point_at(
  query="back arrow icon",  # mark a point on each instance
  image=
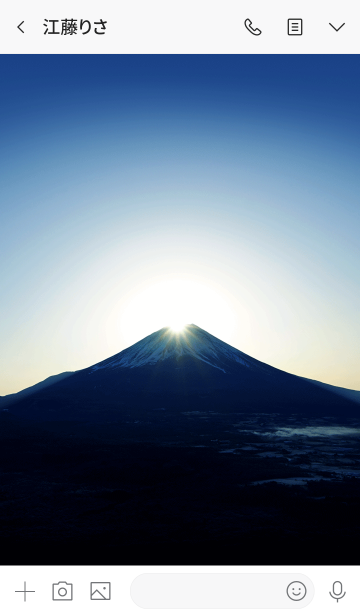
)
(337, 29)
(20, 27)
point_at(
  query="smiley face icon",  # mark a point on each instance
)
(296, 591)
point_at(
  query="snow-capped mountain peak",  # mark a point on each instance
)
(167, 344)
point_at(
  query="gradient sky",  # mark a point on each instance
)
(139, 191)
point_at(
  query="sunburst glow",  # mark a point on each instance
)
(177, 326)
(174, 303)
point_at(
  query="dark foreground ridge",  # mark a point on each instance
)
(86, 494)
(180, 451)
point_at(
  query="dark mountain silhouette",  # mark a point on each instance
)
(349, 394)
(180, 450)
(11, 398)
(167, 371)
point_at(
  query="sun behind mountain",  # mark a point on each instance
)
(177, 326)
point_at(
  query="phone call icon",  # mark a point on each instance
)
(248, 26)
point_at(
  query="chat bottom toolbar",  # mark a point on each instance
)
(131, 589)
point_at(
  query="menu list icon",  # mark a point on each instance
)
(295, 27)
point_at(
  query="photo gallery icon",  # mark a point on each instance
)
(100, 591)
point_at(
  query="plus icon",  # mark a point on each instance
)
(25, 591)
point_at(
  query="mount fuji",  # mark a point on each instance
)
(192, 342)
(182, 450)
(170, 371)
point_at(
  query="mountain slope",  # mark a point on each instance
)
(191, 342)
(166, 374)
(50, 380)
(349, 394)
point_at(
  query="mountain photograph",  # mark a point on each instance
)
(178, 446)
(179, 314)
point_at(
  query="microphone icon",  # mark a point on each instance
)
(337, 591)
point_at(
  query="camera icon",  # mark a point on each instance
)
(62, 591)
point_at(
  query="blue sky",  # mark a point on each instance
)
(140, 190)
